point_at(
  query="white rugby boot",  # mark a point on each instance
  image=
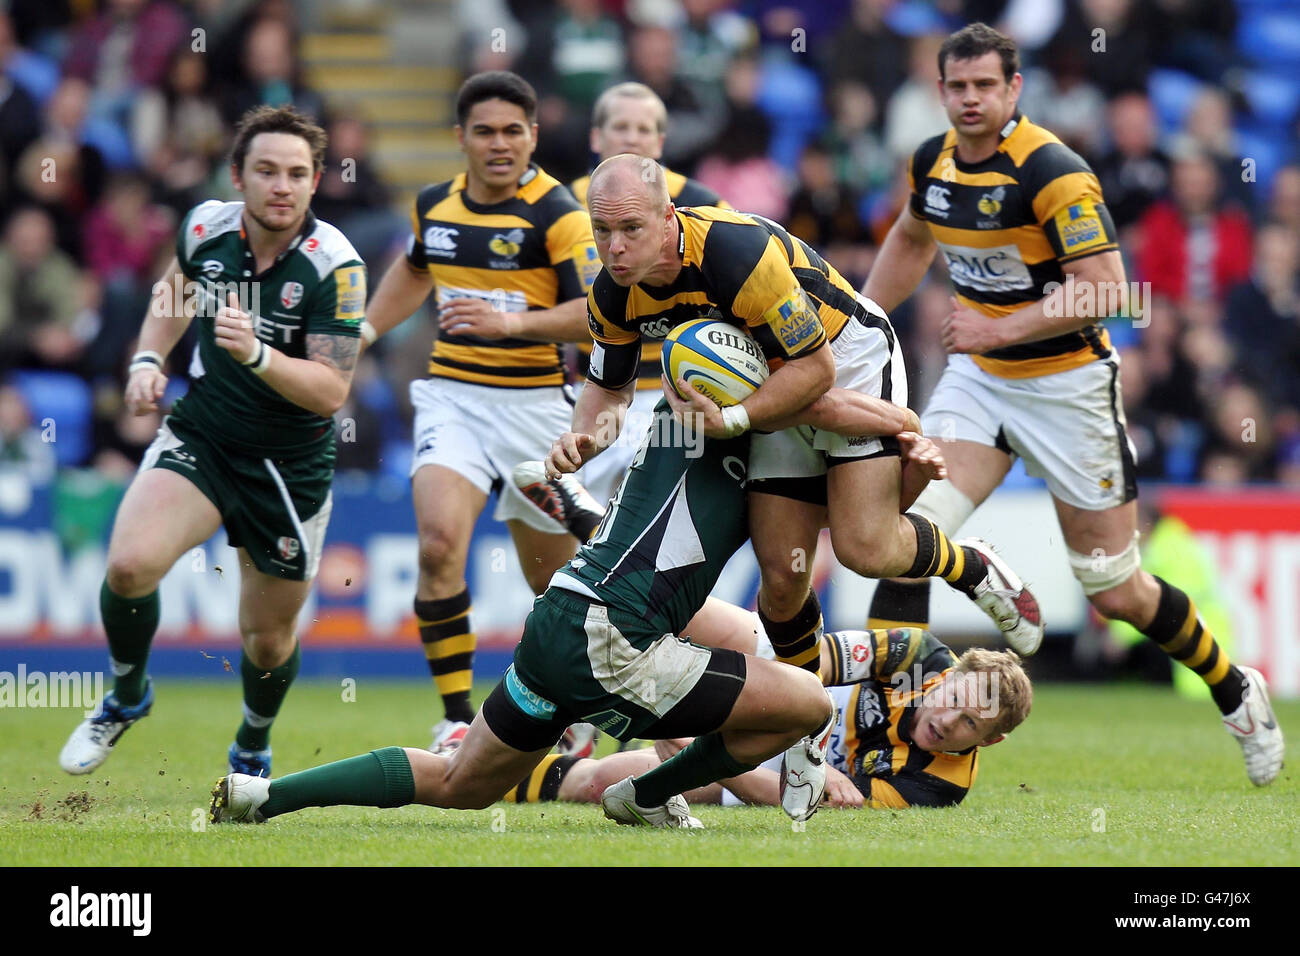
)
(619, 804)
(1004, 598)
(1255, 727)
(237, 798)
(803, 771)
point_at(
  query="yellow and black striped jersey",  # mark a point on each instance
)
(875, 748)
(532, 251)
(1006, 225)
(683, 192)
(737, 268)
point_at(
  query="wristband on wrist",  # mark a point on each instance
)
(260, 360)
(145, 359)
(368, 333)
(735, 420)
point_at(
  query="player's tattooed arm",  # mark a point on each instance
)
(337, 351)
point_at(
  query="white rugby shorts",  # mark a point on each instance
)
(867, 360)
(481, 433)
(1069, 427)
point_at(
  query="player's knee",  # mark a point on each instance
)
(1113, 583)
(269, 647)
(131, 575)
(1124, 602)
(785, 588)
(812, 704)
(439, 552)
(870, 555)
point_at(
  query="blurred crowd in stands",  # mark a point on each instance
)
(113, 123)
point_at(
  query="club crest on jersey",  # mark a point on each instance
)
(288, 548)
(507, 244)
(990, 205)
(290, 294)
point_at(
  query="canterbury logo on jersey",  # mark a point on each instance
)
(936, 201)
(994, 269)
(440, 240)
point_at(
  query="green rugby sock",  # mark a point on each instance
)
(381, 778)
(129, 624)
(264, 692)
(703, 762)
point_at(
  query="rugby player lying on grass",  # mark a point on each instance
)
(895, 744)
(600, 645)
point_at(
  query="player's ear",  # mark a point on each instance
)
(235, 178)
(593, 140)
(996, 738)
(460, 135)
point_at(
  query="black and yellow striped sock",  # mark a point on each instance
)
(900, 604)
(543, 784)
(798, 640)
(449, 647)
(1179, 631)
(936, 556)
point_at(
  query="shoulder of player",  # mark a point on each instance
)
(578, 188)
(689, 192)
(210, 220)
(1040, 157)
(925, 155)
(431, 195)
(550, 199)
(327, 249)
(607, 299)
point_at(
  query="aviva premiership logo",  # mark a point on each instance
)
(290, 294)
(288, 548)
(507, 244)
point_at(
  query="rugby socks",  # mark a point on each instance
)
(129, 624)
(704, 761)
(936, 556)
(900, 604)
(798, 640)
(543, 784)
(449, 647)
(264, 692)
(381, 778)
(1178, 629)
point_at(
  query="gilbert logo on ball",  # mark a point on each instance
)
(720, 361)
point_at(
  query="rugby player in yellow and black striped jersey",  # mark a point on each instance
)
(911, 717)
(509, 253)
(1021, 222)
(631, 118)
(664, 266)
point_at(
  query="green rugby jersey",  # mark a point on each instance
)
(677, 518)
(316, 286)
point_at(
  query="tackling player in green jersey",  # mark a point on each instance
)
(279, 297)
(602, 645)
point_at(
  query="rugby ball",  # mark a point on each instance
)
(720, 361)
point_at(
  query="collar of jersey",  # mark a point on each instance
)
(308, 227)
(462, 182)
(1016, 122)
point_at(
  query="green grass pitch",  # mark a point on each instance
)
(1119, 775)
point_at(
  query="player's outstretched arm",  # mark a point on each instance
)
(164, 324)
(852, 413)
(901, 263)
(401, 291)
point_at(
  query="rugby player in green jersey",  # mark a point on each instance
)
(601, 646)
(279, 297)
